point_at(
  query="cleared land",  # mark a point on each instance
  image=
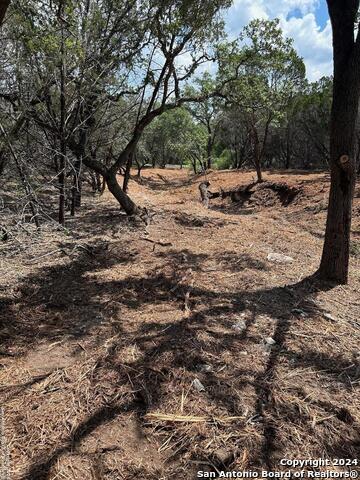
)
(105, 327)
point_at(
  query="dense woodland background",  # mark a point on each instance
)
(90, 88)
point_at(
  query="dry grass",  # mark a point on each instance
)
(103, 338)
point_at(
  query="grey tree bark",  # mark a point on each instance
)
(334, 264)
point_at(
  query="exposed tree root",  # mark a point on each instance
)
(265, 193)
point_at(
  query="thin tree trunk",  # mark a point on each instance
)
(24, 181)
(127, 173)
(257, 155)
(76, 188)
(209, 146)
(14, 131)
(62, 133)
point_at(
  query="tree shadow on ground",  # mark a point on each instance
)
(305, 173)
(69, 297)
(158, 182)
(195, 221)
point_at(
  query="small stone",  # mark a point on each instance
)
(330, 317)
(244, 352)
(270, 341)
(255, 419)
(239, 326)
(198, 385)
(279, 258)
(205, 368)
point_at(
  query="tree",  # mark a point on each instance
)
(346, 91)
(175, 28)
(167, 139)
(206, 112)
(267, 81)
(312, 114)
(99, 52)
(234, 136)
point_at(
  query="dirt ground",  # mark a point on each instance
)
(105, 327)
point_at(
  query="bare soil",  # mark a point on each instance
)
(106, 325)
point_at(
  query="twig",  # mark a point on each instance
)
(45, 255)
(157, 242)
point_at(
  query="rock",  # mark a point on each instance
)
(329, 317)
(255, 419)
(279, 258)
(205, 368)
(269, 343)
(244, 352)
(223, 456)
(239, 326)
(198, 385)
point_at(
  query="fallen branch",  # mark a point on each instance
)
(45, 255)
(164, 417)
(156, 242)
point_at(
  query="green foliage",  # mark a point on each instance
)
(271, 74)
(224, 162)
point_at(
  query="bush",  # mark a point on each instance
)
(223, 162)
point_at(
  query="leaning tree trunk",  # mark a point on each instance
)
(125, 201)
(346, 90)
(110, 178)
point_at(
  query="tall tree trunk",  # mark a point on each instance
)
(76, 188)
(62, 132)
(26, 184)
(335, 258)
(257, 155)
(209, 146)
